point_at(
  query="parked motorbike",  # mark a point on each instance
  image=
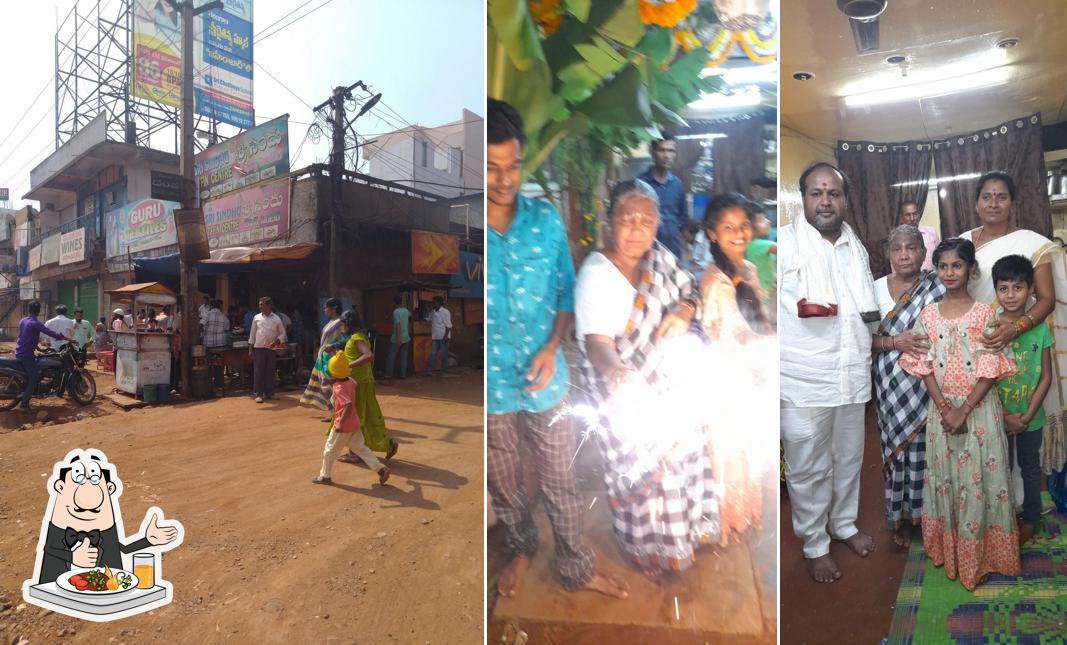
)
(61, 371)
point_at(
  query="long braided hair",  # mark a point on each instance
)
(748, 301)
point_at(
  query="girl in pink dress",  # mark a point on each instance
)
(968, 519)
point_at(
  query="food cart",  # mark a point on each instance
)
(142, 358)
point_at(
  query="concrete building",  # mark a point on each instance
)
(447, 160)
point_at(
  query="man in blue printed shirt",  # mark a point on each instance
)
(530, 309)
(673, 209)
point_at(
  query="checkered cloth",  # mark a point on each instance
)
(552, 441)
(902, 406)
(662, 509)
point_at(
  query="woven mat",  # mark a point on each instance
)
(1030, 609)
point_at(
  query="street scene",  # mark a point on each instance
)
(247, 291)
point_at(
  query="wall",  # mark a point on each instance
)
(795, 153)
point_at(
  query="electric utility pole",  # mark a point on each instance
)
(339, 125)
(190, 321)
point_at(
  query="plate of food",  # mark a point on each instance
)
(97, 581)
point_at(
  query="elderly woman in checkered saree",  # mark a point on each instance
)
(629, 300)
(902, 398)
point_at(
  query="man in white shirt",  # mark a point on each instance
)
(825, 374)
(909, 214)
(82, 331)
(204, 308)
(61, 325)
(267, 333)
(216, 326)
(440, 333)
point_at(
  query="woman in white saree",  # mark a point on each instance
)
(997, 238)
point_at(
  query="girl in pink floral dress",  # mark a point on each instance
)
(968, 519)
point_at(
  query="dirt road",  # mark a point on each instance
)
(269, 557)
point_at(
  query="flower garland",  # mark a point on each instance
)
(665, 13)
(547, 14)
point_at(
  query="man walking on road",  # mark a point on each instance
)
(268, 332)
(61, 325)
(400, 339)
(82, 331)
(440, 333)
(827, 299)
(529, 310)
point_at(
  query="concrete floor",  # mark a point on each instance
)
(728, 596)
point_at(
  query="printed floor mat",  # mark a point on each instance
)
(1028, 610)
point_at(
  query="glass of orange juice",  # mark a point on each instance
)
(144, 567)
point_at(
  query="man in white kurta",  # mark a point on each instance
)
(825, 372)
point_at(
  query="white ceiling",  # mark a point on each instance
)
(816, 38)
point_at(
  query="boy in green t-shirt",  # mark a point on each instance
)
(1023, 394)
(763, 253)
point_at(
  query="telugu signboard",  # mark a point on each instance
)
(252, 156)
(147, 224)
(434, 252)
(249, 216)
(222, 59)
(167, 186)
(34, 261)
(72, 247)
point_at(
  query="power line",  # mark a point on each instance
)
(267, 28)
(30, 107)
(295, 20)
(31, 131)
(284, 86)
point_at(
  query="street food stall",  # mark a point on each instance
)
(142, 358)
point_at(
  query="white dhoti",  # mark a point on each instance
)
(823, 457)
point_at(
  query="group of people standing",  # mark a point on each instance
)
(630, 303)
(961, 339)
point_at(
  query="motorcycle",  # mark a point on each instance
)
(60, 371)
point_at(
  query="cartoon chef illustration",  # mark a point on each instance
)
(82, 527)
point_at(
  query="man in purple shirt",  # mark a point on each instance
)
(30, 330)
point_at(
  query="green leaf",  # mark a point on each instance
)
(529, 91)
(578, 8)
(617, 20)
(657, 44)
(516, 31)
(666, 117)
(623, 101)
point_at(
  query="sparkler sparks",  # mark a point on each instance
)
(677, 613)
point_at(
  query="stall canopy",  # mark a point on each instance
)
(146, 292)
(227, 260)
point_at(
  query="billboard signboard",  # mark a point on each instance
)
(72, 247)
(222, 59)
(252, 215)
(147, 224)
(252, 156)
(434, 252)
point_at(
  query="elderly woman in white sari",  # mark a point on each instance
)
(629, 299)
(995, 239)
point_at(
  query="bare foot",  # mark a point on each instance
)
(654, 574)
(607, 585)
(860, 543)
(902, 536)
(823, 569)
(512, 575)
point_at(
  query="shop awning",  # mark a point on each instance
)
(147, 292)
(226, 260)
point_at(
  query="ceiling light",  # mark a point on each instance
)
(1008, 43)
(745, 75)
(937, 87)
(922, 72)
(707, 137)
(803, 76)
(740, 98)
(934, 181)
